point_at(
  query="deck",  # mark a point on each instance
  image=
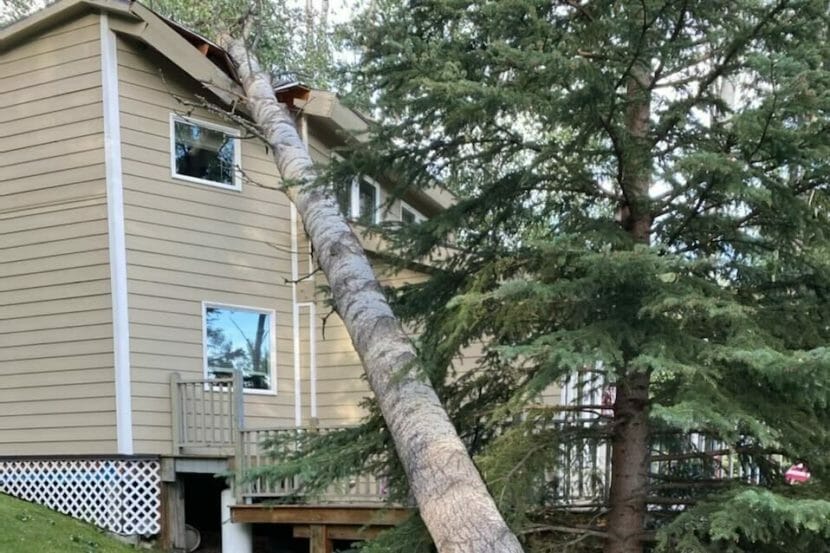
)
(209, 419)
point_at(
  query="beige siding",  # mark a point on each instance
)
(190, 243)
(56, 362)
(340, 386)
(340, 383)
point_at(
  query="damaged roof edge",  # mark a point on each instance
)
(210, 66)
(214, 52)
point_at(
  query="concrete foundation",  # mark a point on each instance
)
(236, 538)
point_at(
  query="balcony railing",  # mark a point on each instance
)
(209, 419)
(581, 474)
(208, 413)
(359, 489)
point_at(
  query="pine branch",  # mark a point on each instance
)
(732, 51)
(678, 27)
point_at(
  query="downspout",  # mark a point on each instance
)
(295, 320)
(312, 310)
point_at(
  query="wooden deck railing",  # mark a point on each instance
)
(582, 473)
(207, 414)
(360, 489)
(208, 419)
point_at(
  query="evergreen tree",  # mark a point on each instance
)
(643, 192)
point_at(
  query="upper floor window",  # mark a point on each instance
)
(203, 152)
(361, 201)
(410, 215)
(241, 339)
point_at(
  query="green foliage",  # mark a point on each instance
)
(514, 464)
(751, 520)
(527, 109)
(293, 43)
(531, 112)
(408, 537)
(30, 528)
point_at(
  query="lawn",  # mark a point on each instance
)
(29, 528)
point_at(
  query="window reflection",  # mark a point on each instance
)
(367, 202)
(239, 339)
(204, 153)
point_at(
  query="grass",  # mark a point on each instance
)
(29, 528)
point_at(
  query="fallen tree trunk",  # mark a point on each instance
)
(452, 499)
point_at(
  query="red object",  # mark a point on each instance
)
(797, 474)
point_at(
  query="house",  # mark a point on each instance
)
(141, 272)
(157, 305)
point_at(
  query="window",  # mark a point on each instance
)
(241, 339)
(410, 215)
(204, 152)
(368, 201)
(361, 202)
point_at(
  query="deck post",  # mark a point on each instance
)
(237, 434)
(319, 541)
(236, 537)
(238, 402)
(175, 412)
(173, 537)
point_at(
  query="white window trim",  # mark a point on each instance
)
(272, 330)
(354, 203)
(237, 152)
(419, 217)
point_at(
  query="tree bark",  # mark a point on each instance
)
(256, 354)
(630, 441)
(629, 465)
(453, 500)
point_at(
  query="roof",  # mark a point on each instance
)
(204, 61)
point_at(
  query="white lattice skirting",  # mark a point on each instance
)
(120, 495)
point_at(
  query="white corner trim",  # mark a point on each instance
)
(117, 240)
(312, 322)
(295, 305)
